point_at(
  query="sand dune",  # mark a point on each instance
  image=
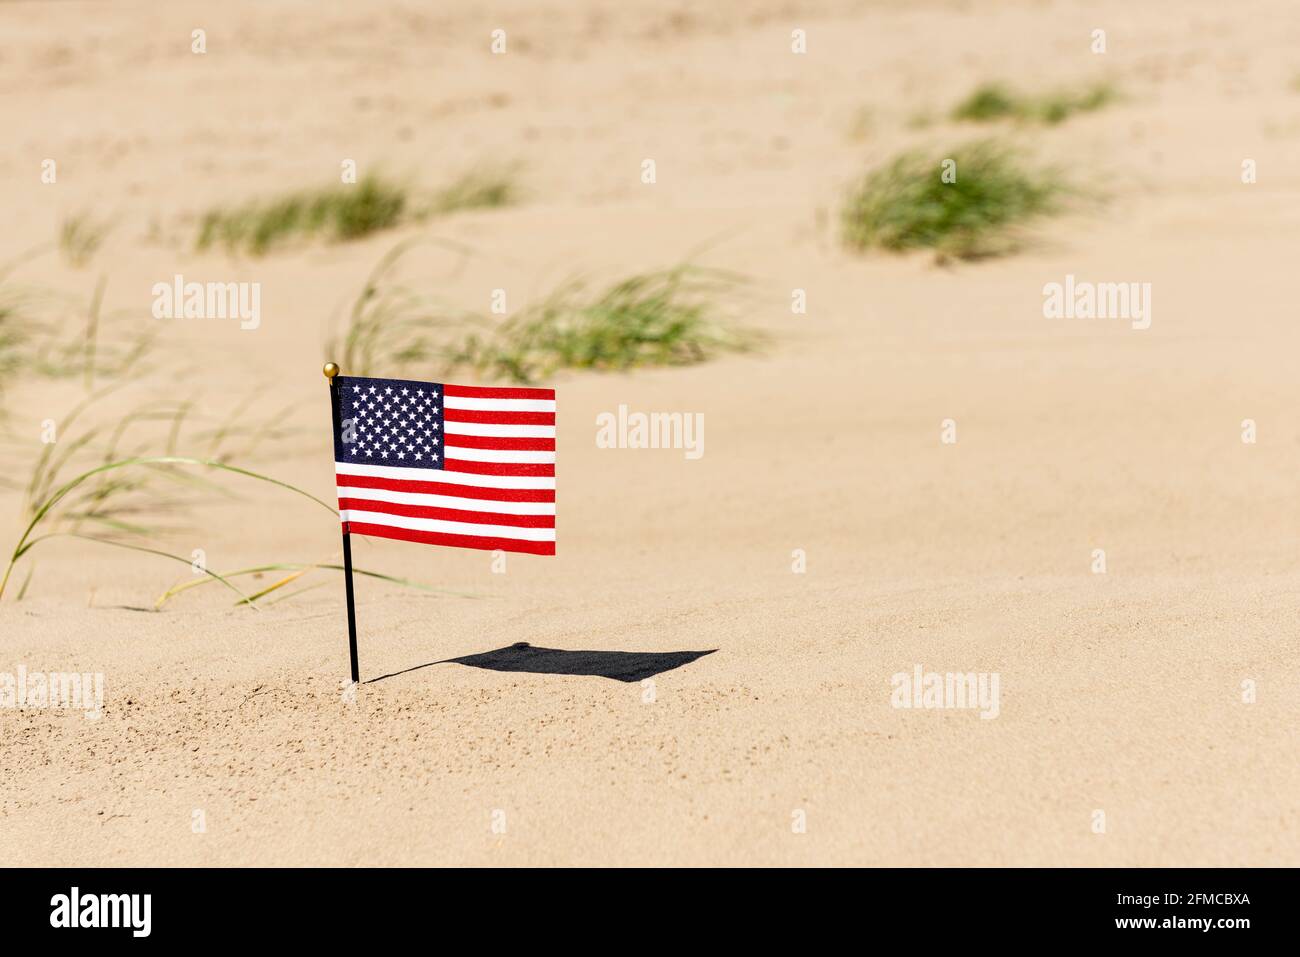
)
(768, 735)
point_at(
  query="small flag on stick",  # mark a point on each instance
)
(442, 464)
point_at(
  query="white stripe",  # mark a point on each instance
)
(438, 475)
(518, 456)
(499, 405)
(448, 501)
(450, 528)
(503, 431)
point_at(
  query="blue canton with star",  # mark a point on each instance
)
(394, 422)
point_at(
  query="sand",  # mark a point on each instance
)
(228, 736)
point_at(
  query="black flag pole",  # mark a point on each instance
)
(336, 408)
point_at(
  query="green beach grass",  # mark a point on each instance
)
(995, 101)
(667, 317)
(340, 213)
(906, 204)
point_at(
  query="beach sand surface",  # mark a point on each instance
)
(228, 735)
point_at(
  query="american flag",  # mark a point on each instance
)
(447, 464)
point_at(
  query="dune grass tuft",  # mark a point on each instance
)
(666, 317)
(991, 101)
(479, 189)
(11, 337)
(391, 325)
(18, 327)
(995, 101)
(338, 213)
(80, 237)
(54, 335)
(124, 489)
(907, 205)
(44, 508)
(344, 212)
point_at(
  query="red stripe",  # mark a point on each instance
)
(447, 488)
(447, 514)
(456, 541)
(483, 392)
(499, 468)
(504, 443)
(498, 418)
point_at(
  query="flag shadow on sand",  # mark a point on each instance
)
(618, 665)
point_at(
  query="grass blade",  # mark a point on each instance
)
(24, 544)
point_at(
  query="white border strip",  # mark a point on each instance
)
(449, 528)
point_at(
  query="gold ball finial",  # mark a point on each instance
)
(331, 370)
